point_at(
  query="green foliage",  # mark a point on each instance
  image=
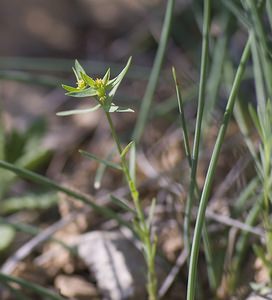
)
(28, 202)
(103, 161)
(103, 90)
(21, 151)
(7, 234)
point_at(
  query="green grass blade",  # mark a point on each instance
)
(31, 286)
(213, 281)
(242, 243)
(261, 38)
(106, 212)
(15, 291)
(122, 204)
(2, 136)
(269, 12)
(247, 192)
(240, 111)
(217, 64)
(100, 160)
(154, 76)
(127, 149)
(206, 240)
(200, 110)
(182, 119)
(258, 74)
(211, 173)
(234, 8)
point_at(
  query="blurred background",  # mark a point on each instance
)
(40, 41)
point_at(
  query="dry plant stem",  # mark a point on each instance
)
(210, 175)
(169, 280)
(145, 238)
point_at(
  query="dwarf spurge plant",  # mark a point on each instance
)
(103, 91)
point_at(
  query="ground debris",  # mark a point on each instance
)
(76, 287)
(117, 264)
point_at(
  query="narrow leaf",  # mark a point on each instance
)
(69, 88)
(79, 69)
(77, 75)
(53, 185)
(122, 204)
(123, 109)
(89, 92)
(106, 77)
(44, 292)
(255, 119)
(78, 111)
(88, 79)
(126, 149)
(182, 119)
(115, 108)
(100, 160)
(117, 80)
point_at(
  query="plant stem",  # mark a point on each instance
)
(132, 187)
(201, 98)
(210, 174)
(154, 76)
(142, 229)
(207, 246)
(194, 159)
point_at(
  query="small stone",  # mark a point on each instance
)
(76, 287)
(116, 263)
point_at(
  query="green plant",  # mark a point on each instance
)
(103, 90)
(23, 149)
(219, 81)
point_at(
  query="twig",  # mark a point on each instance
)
(173, 274)
(10, 265)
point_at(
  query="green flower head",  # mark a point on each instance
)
(102, 89)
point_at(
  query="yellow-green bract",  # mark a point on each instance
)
(102, 89)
